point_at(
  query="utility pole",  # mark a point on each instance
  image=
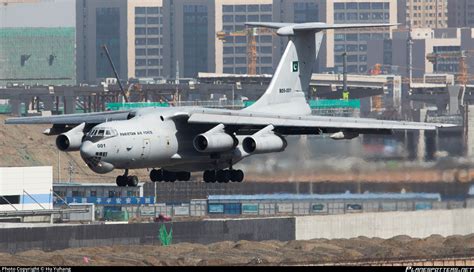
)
(410, 61)
(176, 81)
(410, 57)
(345, 91)
(59, 165)
(71, 170)
(233, 97)
(410, 46)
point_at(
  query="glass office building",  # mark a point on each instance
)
(37, 56)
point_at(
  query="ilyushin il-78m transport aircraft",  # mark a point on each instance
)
(176, 141)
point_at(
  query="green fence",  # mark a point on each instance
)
(111, 215)
(334, 103)
(134, 105)
(314, 104)
(7, 108)
(326, 103)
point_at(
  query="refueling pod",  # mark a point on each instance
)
(264, 141)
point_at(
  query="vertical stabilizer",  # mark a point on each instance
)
(286, 93)
(290, 83)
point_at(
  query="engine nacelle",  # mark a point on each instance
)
(71, 140)
(215, 140)
(264, 144)
(264, 141)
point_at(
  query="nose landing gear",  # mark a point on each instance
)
(131, 181)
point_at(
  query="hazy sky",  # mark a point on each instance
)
(46, 13)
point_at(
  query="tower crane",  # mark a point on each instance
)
(251, 34)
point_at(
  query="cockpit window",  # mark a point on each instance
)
(97, 134)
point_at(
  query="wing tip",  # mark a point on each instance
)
(444, 125)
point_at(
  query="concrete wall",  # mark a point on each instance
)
(385, 225)
(209, 231)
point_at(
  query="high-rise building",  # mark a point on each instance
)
(188, 37)
(354, 41)
(132, 32)
(43, 56)
(299, 11)
(423, 14)
(460, 13)
(444, 46)
(232, 53)
(148, 42)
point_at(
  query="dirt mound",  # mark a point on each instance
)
(252, 253)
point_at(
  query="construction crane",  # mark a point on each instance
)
(251, 34)
(377, 101)
(124, 94)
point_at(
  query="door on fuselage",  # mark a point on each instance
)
(146, 149)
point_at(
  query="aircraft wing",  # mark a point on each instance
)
(307, 124)
(72, 119)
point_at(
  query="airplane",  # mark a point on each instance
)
(173, 142)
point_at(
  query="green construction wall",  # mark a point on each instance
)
(39, 44)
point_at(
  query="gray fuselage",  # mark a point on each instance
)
(151, 140)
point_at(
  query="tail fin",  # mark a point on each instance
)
(290, 83)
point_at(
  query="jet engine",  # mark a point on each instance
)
(264, 141)
(71, 140)
(215, 140)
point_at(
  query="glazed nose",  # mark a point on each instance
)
(87, 149)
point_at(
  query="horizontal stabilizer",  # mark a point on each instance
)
(288, 29)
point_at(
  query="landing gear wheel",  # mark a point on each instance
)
(209, 176)
(132, 181)
(156, 175)
(223, 176)
(169, 176)
(237, 175)
(121, 181)
(183, 176)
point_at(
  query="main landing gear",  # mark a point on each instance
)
(167, 176)
(125, 180)
(223, 176)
